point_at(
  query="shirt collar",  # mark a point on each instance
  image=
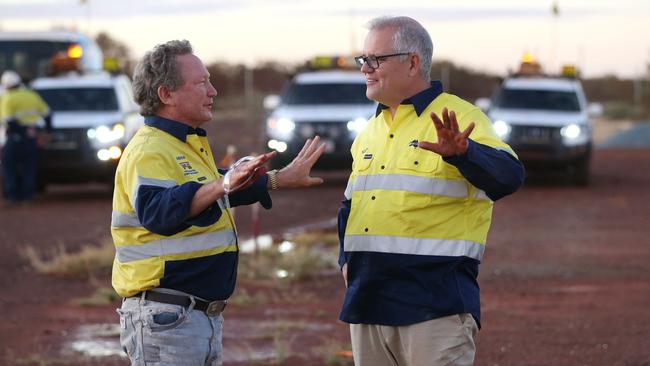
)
(177, 129)
(421, 100)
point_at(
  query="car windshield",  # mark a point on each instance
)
(538, 99)
(326, 94)
(80, 99)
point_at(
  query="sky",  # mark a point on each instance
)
(601, 37)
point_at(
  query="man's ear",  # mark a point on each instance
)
(414, 67)
(165, 95)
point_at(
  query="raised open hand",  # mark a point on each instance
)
(296, 174)
(450, 140)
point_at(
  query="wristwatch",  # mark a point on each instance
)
(273, 179)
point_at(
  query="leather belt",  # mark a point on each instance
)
(212, 308)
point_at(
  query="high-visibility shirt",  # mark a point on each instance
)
(23, 106)
(161, 169)
(416, 226)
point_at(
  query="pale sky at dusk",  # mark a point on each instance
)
(601, 37)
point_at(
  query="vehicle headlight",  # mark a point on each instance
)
(502, 128)
(571, 131)
(575, 134)
(282, 125)
(357, 125)
(107, 134)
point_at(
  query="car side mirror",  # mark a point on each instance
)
(271, 101)
(483, 103)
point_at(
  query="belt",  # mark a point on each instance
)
(211, 308)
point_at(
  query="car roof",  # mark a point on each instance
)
(62, 36)
(542, 83)
(76, 81)
(319, 77)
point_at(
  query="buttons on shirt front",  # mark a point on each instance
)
(415, 162)
(366, 229)
(382, 167)
(391, 135)
(372, 198)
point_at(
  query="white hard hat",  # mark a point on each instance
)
(10, 79)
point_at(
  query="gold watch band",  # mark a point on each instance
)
(273, 179)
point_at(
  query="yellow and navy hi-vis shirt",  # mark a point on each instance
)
(413, 225)
(161, 169)
(21, 108)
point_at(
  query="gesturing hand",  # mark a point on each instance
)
(296, 174)
(450, 140)
(245, 171)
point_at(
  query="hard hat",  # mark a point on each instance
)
(10, 79)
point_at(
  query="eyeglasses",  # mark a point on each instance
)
(373, 61)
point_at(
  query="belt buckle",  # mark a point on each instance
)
(216, 307)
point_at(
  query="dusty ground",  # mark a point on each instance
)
(565, 279)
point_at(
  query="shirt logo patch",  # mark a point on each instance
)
(414, 143)
(367, 156)
(201, 179)
(180, 157)
(187, 168)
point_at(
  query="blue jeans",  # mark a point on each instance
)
(19, 159)
(153, 333)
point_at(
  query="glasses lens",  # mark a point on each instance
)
(372, 61)
(359, 60)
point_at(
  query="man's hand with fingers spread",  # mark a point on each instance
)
(296, 174)
(450, 140)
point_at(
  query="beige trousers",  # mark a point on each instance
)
(443, 341)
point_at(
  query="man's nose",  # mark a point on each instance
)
(366, 69)
(212, 92)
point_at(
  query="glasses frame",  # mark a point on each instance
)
(368, 60)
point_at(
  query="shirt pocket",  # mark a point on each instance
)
(419, 161)
(362, 162)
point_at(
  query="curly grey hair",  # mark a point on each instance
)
(410, 36)
(158, 68)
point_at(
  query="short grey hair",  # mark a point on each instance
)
(158, 68)
(410, 36)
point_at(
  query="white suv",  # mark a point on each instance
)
(331, 104)
(546, 121)
(93, 118)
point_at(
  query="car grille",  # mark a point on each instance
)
(535, 135)
(326, 130)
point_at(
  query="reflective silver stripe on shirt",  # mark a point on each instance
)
(142, 181)
(171, 246)
(348, 189)
(119, 219)
(417, 246)
(481, 195)
(409, 183)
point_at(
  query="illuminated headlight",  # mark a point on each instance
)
(571, 131)
(574, 134)
(106, 134)
(502, 128)
(279, 146)
(357, 125)
(282, 125)
(113, 152)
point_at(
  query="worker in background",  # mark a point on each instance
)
(23, 113)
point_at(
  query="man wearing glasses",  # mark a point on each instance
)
(426, 171)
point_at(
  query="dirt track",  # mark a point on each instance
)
(565, 279)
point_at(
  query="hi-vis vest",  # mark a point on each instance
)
(408, 200)
(156, 158)
(23, 105)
